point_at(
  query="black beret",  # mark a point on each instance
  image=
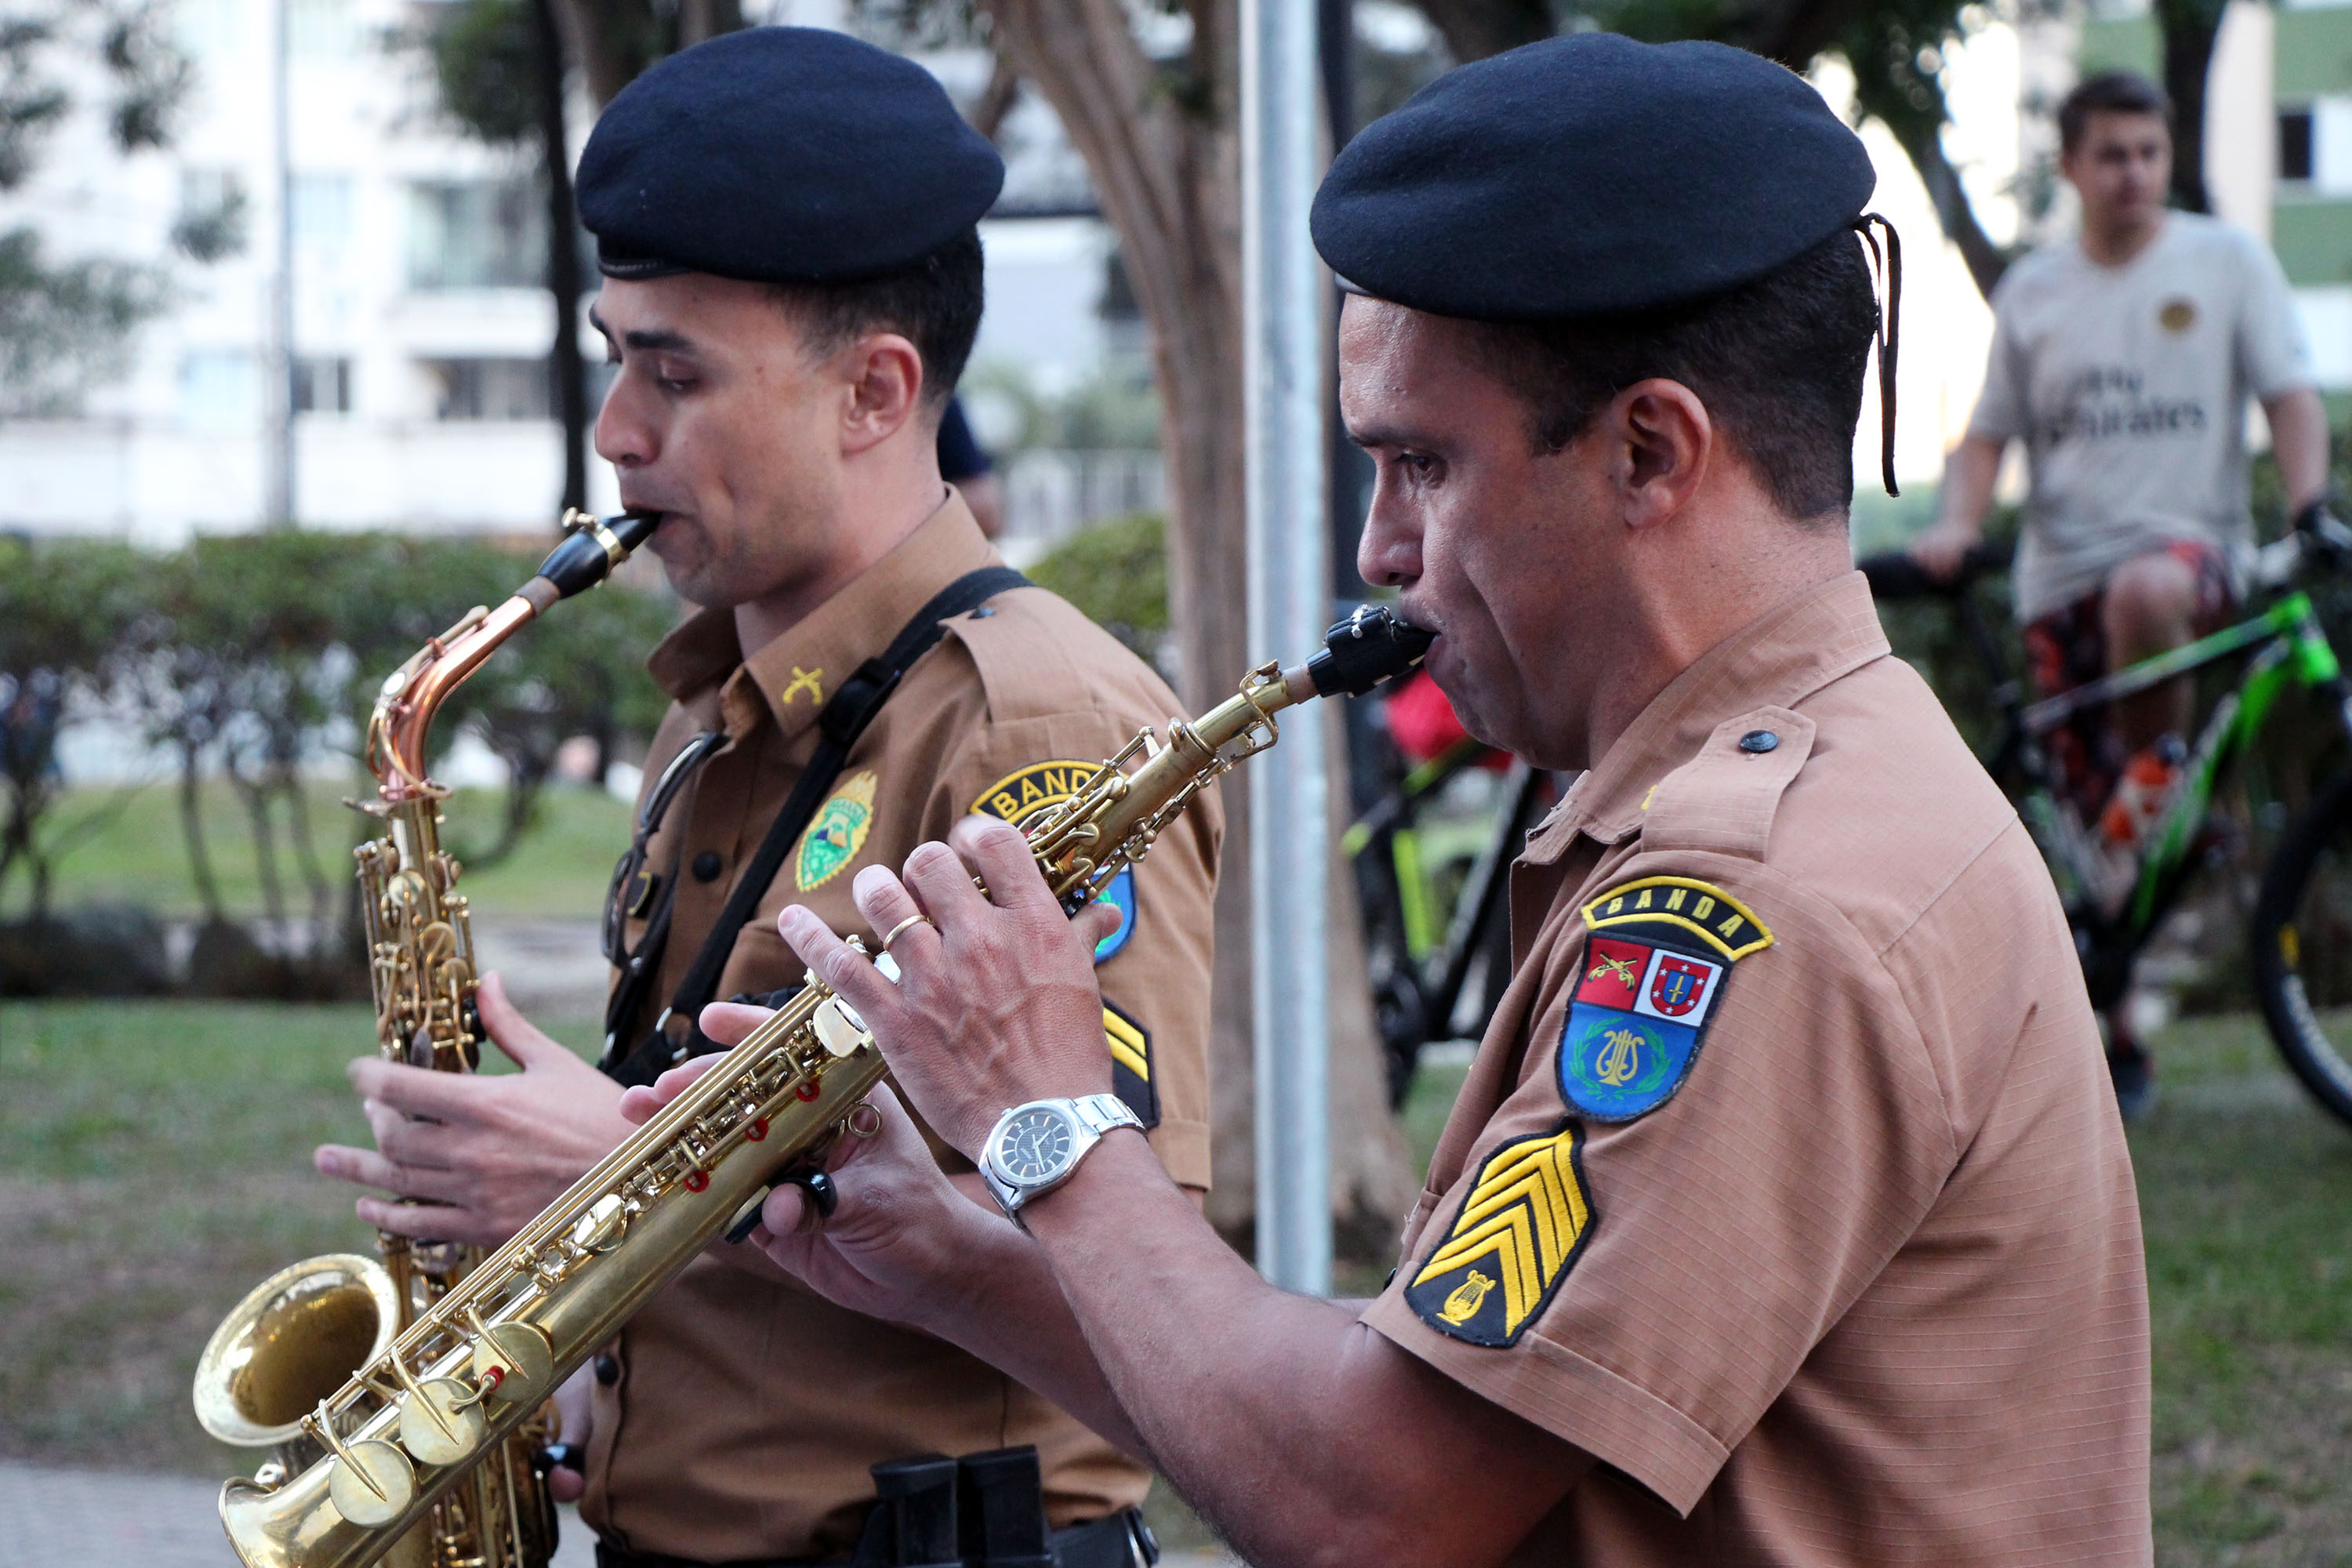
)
(1589, 175)
(782, 155)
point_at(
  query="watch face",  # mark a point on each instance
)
(1034, 1146)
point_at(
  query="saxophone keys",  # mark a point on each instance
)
(514, 1363)
(441, 1423)
(372, 1483)
(839, 1028)
(599, 1230)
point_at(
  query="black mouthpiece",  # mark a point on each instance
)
(592, 548)
(1367, 647)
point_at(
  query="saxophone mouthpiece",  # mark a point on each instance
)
(592, 547)
(1371, 645)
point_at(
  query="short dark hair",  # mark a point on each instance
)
(933, 301)
(2109, 92)
(1778, 362)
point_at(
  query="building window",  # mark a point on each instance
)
(322, 211)
(2294, 160)
(492, 389)
(481, 234)
(220, 389)
(322, 385)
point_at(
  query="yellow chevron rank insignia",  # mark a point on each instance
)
(1131, 1064)
(1520, 1230)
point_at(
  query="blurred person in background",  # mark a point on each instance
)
(2122, 358)
(965, 463)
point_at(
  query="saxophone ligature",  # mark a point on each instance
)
(423, 1414)
(294, 1339)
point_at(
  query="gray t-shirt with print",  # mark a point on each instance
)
(2128, 386)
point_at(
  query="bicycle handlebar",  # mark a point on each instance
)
(1895, 575)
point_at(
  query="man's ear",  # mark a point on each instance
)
(1665, 443)
(883, 377)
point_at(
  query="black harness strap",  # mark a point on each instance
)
(839, 723)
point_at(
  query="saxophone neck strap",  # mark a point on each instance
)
(853, 707)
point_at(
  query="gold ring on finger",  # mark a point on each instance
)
(917, 918)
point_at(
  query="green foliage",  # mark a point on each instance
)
(67, 613)
(65, 326)
(484, 61)
(1117, 575)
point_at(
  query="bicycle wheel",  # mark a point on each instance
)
(2302, 941)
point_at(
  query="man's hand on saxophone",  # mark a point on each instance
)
(478, 1156)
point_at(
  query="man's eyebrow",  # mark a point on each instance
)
(1381, 436)
(652, 342)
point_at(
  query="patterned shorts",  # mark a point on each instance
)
(2068, 648)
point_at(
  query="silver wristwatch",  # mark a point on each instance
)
(1034, 1148)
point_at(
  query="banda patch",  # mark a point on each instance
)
(1644, 991)
(1523, 1226)
(836, 833)
(1023, 797)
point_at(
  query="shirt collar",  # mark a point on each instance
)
(792, 675)
(1778, 660)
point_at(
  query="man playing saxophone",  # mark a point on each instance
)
(785, 219)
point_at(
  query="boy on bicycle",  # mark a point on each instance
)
(2123, 359)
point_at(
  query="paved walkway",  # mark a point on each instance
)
(104, 1519)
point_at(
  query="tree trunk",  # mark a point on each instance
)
(1164, 150)
(564, 280)
(1986, 261)
(2190, 27)
(256, 796)
(298, 832)
(191, 829)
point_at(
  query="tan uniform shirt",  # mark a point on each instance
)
(747, 1411)
(1787, 1180)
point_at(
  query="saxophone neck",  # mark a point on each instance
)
(404, 713)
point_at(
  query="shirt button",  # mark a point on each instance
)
(1756, 742)
(608, 1369)
(707, 865)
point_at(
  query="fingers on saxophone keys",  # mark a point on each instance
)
(887, 906)
(997, 853)
(849, 972)
(938, 876)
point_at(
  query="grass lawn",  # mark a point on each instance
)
(153, 1166)
(139, 855)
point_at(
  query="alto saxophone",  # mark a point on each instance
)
(294, 1339)
(423, 1413)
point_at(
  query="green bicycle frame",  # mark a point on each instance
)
(2292, 650)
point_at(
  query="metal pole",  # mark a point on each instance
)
(1289, 605)
(278, 489)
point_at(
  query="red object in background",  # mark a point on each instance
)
(1423, 725)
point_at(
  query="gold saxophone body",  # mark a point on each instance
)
(296, 1338)
(426, 1412)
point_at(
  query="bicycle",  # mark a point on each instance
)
(1436, 935)
(2300, 934)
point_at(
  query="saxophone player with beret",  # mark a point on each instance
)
(785, 221)
(1785, 1216)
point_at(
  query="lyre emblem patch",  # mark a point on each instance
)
(1644, 991)
(1524, 1222)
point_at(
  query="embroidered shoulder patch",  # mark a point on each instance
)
(1644, 993)
(1131, 1064)
(1523, 1226)
(836, 833)
(1021, 796)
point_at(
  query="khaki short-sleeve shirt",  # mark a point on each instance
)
(1787, 1182)
(746, 1412)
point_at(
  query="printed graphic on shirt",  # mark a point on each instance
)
(1522, 1228)
(1131, 1064)
(1023, 797)
(836, 833)
(1639, 1009)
